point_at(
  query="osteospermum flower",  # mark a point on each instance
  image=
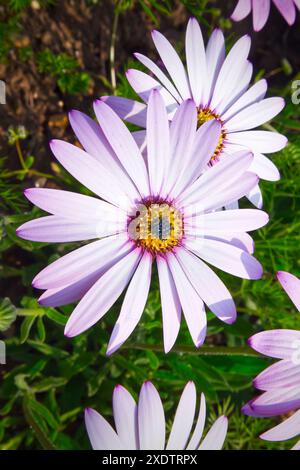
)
(261, 11)
(219, 86)
(281, 381)
(159, 210)
(142, 426)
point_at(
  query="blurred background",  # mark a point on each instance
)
(59, 55)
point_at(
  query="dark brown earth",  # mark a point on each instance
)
(34, 99)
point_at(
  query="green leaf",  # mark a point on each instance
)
(47, 350)
(21, 383)
(48, 383)
(248, 366)
(153, 360)
(7, 314)
(25, 328)
(35, 414)
(56, 316)
(41, 329)
(29, 161)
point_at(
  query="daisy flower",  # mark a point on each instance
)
(142, 426)
(281, 381)
(219, 86)
(155, 210)
(261, 11)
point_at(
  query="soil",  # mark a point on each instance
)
(35, 101)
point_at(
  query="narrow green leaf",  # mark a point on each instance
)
(57, 317)
(41, 329)
(25, 328)
(7, 314)
(33, 411)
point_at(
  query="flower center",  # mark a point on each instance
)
(156, 227)
(205, 115)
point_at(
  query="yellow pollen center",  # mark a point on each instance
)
(205, 115)
(158, 227)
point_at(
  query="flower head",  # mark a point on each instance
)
(156, 209)
(142, 426)
(261, 11)
(219, 87)
(281, 381)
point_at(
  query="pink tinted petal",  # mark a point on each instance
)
(259, 141)
(285, 373)
(285, 430)
(127, 109)
(151, 419)
(275, 402)
(238, 87)
(101, 434)
(81, 262)
(228, 258)
(140, 140)
(182, 135)
(73, 205)
(255, 115)
(287, 10)
(71, 293)
(280, 344)
(297, 3)
(158, 142)
(198, 431)
(170, 304)
(90, 135)
(255, 196)
(92, 138)
(196, 60)
(291, 285)
(261, 11)
(102, 295)
(173, 64)
(215, 438)
(233, 64)
(215, 55)
(143, 84)
(208, 286)
(264, 168)
(90, 172)
(229, 195)
(159, 75)
(76, 290)
(125, 416)
(238, 220)
(241, 240)
(133, 304)
(221, 176)
(205, 143)
(191, 303)
(124, 145)
(57, 230)
(241, 10)
(296, 446)
(184, 418)
(256, 93)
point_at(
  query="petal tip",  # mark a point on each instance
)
(68, 331)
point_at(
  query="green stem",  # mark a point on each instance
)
(26, 172)
(202, 351)
(30, 312)
(112, 51)
(20, 155)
